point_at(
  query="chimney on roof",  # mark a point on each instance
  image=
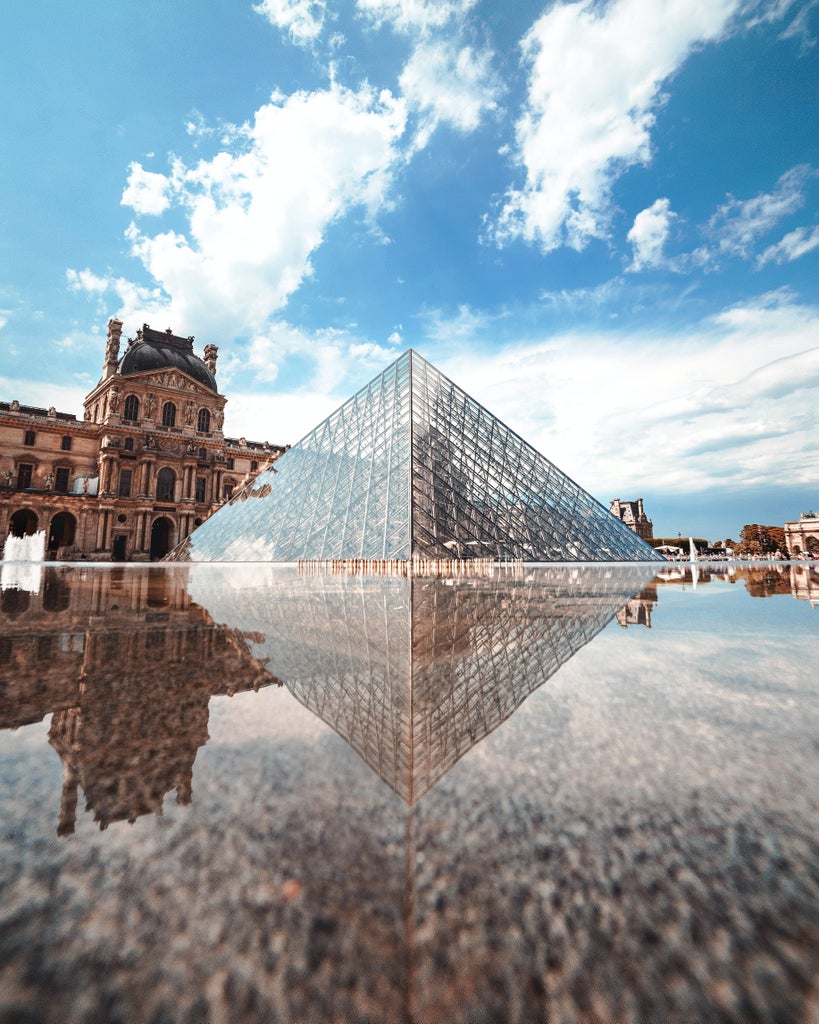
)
(112, 348)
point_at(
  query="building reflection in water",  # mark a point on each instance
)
(126, 665)
(411, 673)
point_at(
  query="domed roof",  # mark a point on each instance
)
(157, 350)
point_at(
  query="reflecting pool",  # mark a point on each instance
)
(241, 793)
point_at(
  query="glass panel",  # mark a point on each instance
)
(477, 490)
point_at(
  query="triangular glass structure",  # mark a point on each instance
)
(411, 466)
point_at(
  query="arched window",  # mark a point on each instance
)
(203, 423)
(131, 408)
(165, 481)
(169, 415)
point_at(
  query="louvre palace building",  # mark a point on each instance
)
(146, 465)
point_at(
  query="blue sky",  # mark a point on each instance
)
(599, 219)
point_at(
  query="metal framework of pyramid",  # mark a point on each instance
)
(411, 466)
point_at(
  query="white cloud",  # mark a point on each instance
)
(595, 79)
(738, 224)
(259, 208)
(798, 28)
(649, 234)
(795, 244)
(146, 191)
(452, 83)
(303, 20)
(87, 281)
(726, 404)
(414, 15)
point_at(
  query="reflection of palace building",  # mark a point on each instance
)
(126, 666)
(633, 515)
(637, 612)
(147, 464)
(803, 536)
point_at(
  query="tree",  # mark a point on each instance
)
(761, 540)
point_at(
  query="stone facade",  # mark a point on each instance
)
(146, 465)
(633, 515)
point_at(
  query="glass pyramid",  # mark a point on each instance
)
(411, 466)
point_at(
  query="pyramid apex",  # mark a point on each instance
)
(412, 466)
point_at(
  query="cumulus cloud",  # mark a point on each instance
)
(450, 83)
(302, 20)
(259, 208)
(595, 79)
(146, 191)
(87, 281)
(649, 234)
(738, 224)
(795, 244)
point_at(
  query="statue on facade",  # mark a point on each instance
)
(211, 352)
(190, 409)
(150, 405)
(113, 399)
(218, 419)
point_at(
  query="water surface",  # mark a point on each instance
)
(237, 793)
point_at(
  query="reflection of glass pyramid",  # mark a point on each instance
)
(412, 466)
(413, 673)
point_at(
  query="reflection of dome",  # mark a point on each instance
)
(157, 350)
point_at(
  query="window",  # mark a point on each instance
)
(28, 440)
(203, 423)
(229, 463)
(200, 488)
(254, 465)
(203, 455)
(61, 479)
(131, 408)
(125, 483)
(24, 471)
(66, 443)
(228, 491)
(169, 415)
(129, 444)
(165, 481)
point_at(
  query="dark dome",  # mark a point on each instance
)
(157, 351)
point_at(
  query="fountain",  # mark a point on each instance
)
(22, 562)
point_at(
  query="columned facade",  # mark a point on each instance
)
(146, 464)
(802, 536)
